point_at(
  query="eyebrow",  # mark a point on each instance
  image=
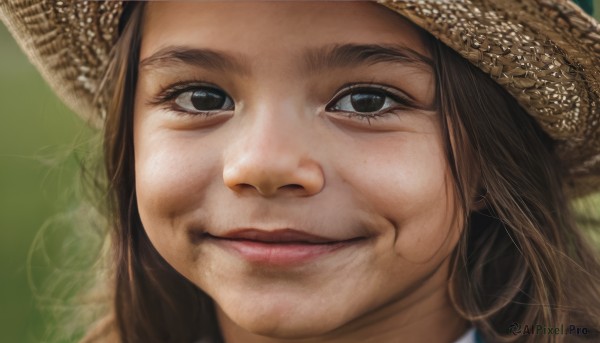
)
(314, 60)
(204, 58)
(350, 55)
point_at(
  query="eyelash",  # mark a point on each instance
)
(167, 95)
(403, 101)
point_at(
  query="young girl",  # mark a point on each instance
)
(331, 171)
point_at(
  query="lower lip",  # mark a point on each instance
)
(282, 254)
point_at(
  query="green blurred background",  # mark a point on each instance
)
(39, 140)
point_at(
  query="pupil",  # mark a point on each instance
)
(206, 100)
(367, 102)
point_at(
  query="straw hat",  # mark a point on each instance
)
(546, 53)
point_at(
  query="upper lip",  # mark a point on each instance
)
(279, 235)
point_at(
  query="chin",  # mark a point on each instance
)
(286, 329)
(281, 320)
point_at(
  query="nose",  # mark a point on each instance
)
(271, 156)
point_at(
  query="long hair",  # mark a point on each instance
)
(521, 259)
(152, 302)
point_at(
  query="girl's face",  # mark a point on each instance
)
(311, 116)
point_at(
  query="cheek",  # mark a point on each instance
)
(172, 175)
(431, 229)
(408, 182)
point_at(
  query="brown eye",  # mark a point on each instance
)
(367, 102)
(204, 100)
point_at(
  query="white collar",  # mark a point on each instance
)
(467, 337)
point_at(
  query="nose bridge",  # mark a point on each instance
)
(270, 120)
(270, 153)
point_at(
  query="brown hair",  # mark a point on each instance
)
(152, 302)
(521, 259)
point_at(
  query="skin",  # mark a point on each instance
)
(283, 159)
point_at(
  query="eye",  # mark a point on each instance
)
(204, 99)
(362, 102)
(368, 100)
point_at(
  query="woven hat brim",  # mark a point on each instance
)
(69, 42)
(544, 52)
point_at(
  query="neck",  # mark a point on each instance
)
(424, 315)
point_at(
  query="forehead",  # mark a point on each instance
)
(266, 29)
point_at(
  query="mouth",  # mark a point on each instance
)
(284, 247)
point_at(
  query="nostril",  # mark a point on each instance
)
(297, 181)
(292, 186)
(243, 186)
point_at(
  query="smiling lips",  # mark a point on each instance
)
(284, 247)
